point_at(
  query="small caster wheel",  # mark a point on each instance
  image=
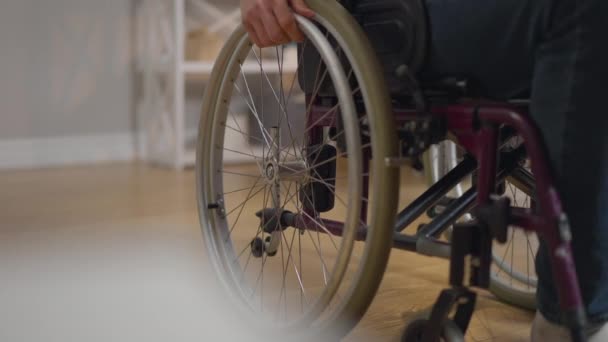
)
(414, 331)
(268, 239)
(257, 247)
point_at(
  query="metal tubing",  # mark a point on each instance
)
(451, 214)
(434, 194)
(404, 242)
(432, 247)
(487, 153)
(524, 181)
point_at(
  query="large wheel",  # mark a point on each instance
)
(267, 175)
(513, 278)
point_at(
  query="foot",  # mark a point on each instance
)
(543, 330)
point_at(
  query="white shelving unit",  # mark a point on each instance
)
(161, 29)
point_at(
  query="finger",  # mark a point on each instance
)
(287, 21)
(252, 34)
(250, 21)
(262, 34)
(273, 29)
(300, 7)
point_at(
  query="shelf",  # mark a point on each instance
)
(162, 33)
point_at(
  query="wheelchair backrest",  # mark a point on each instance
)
(397, 30)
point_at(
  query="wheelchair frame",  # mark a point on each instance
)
(479, 127)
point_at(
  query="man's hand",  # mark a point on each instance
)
(272, 22)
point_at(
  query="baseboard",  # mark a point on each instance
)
(57, 151)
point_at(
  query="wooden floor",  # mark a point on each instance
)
(114, 252)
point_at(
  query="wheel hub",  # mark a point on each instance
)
(295, 170)
(270, 173)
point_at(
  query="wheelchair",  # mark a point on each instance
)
(299, 209)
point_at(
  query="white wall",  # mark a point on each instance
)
(65, 81)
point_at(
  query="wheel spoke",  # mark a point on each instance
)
(245, 134)
(317, 246)
(236, 122)
(239, 173)
(254, 113)
(289, 258)
(239, 190)
(322, 226)
(280, 96)
(324, 116)
(242, 204)
(512, 251)
(286, 265)
(363, 224)
(329, 160)
(244, 154)
(332, 187)
(504, 256)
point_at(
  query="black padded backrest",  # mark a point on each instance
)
(397, 30)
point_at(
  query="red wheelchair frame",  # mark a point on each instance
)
(480, 127)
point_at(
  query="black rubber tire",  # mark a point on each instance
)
(413, 332)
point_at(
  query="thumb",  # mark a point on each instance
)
(301, 8)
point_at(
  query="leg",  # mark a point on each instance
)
(576, 56)
(556, 50)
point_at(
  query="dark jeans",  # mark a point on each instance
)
(557, 51)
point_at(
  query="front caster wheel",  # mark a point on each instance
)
(414, 331)
(257, 247)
